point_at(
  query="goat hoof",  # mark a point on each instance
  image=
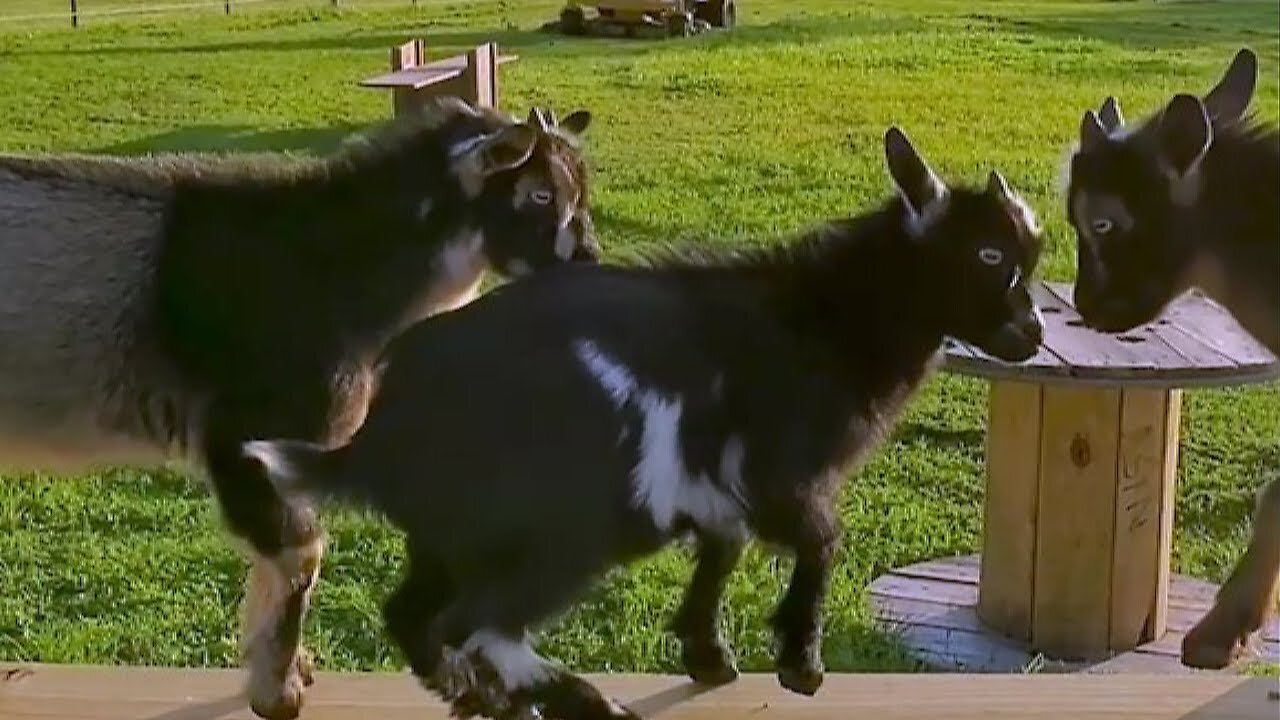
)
(520, 711)
(1220, 637)
(1209, 650)
(454, 676)
(304, 665)
(287, 706)
(804, 680)
(486, 700)
(711, 664)
(278, 698)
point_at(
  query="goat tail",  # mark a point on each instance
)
(299, 468)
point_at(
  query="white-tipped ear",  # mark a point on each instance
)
(537, 120)
(1110, 116)
(1228, 100)
(921, 189)
(1185, 133)
(996, 185)
(999, 188)
(1092, 134)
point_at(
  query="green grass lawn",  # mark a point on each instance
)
(730, 139)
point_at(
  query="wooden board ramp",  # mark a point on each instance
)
(50, 692)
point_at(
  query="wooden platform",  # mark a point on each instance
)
(930, 608)
(89, 693)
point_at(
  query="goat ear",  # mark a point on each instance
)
(1228, 100)
(1110, 116)
(506, 149)
(1092, 134)
(537, 120)
(576, 122)
(1184, 133)
(918, 185)
(998, 187)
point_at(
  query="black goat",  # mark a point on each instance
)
(583, 417)
(1189, 198)
(175, 307)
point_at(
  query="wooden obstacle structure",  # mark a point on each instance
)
(1082, 455)
(472, 76)
(98, 693)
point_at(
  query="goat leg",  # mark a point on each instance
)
(705, 655)
(798, 620)
(1244, 601)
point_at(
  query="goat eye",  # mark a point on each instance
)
(991, 256)
(1101, 226)
(542, 197)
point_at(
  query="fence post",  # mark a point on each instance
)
(75, 14)
(227, 6)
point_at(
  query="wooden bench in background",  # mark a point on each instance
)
(1081, 459)
(96, 693)
(472, 76)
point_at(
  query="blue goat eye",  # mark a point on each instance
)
(1102, 226)
(542, 197)
(991, 256)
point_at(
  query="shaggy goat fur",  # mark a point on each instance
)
(1189, 198)
(174, 307)
(584, 417)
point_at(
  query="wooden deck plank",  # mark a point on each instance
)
(929, 592)
(930, 608)
(84, 693)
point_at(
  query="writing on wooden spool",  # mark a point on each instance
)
(1080, 455)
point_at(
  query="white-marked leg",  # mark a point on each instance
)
(278, 593)
(514, 682)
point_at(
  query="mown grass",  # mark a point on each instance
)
(728, 139)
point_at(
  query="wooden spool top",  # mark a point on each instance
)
(431, 73)
(1194, 343)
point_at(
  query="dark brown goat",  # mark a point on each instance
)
(1189, 198)
(586, 416)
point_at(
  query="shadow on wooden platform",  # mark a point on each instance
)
(51, 692)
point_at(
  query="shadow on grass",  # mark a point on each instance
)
(938, 436)
(232, 138)
(439, 44)
(531, 40)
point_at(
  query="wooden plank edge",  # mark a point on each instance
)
(431, 73)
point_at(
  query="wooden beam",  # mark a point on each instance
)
(81, 693)
(1009, 521)
(1075, 527)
